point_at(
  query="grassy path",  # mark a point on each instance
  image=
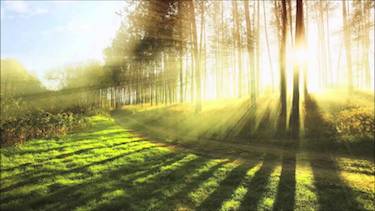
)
(110, 167)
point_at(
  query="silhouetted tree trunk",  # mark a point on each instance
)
(300, 38)
(290, 18)
(305, 68)
(282, 54)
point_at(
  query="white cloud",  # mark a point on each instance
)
(72, 27)
(2, 13)
(39, 11)
(16, 6)
(21, 9)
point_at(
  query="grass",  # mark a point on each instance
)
(111, 167)
(237, 121)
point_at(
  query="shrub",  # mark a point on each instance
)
(356, 122)
(39, 124)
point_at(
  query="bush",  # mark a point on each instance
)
(39, 124)
(356, 122)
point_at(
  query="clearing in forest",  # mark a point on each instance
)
(110, 167)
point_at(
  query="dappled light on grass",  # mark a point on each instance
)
(195, 105)
(305, 197)
(219, 120)
(114, 169)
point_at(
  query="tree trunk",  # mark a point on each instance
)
(366, 43)
(238, 45)
(323, 49)
(250, 50)
(257, 73)
(348, 48)
(268, 45)
(282, 54)
(300, 39)
(198, 105)
(290, 18)
(202, 49)
(181, 83)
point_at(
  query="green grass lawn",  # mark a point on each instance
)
(111, 167)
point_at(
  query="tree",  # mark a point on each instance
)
(237, 45)
(268, 45)
(250, 50)
(282, 55)
(198, 105)
(348, 48)
(300, 40)
(181, 42)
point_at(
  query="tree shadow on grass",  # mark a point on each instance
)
(82, 193)
(258, 184)
(226, 188)
(139, 194)
(63, 157)
(87, 139)
(52, 173)
(166, 197)
(63, 195)
(330, 186)
(285, 198)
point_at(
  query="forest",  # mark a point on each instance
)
(200, 105)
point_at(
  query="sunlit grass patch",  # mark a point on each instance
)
(200, 194)
(106, 167)
(306, 198)
(240, 191)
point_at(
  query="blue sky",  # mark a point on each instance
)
(44, 35)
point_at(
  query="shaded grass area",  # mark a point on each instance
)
(107, 167)
(328, 121)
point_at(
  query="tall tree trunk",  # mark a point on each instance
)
(198, 105)
(290, 18)
(217, 47)
(238, 45)
(181, 83)
(222, 53)
(348, 48)
(257, 73)
(202, 49)
(322, 40)
(300, 39)
(282, 55)
(366, 43)
(305, 89)
(250, 50)
(268, 45)
(329, 64)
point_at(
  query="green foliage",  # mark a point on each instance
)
(89, 75)
(39, 124)
(30, 111)
(16, 81)
(356, 122)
